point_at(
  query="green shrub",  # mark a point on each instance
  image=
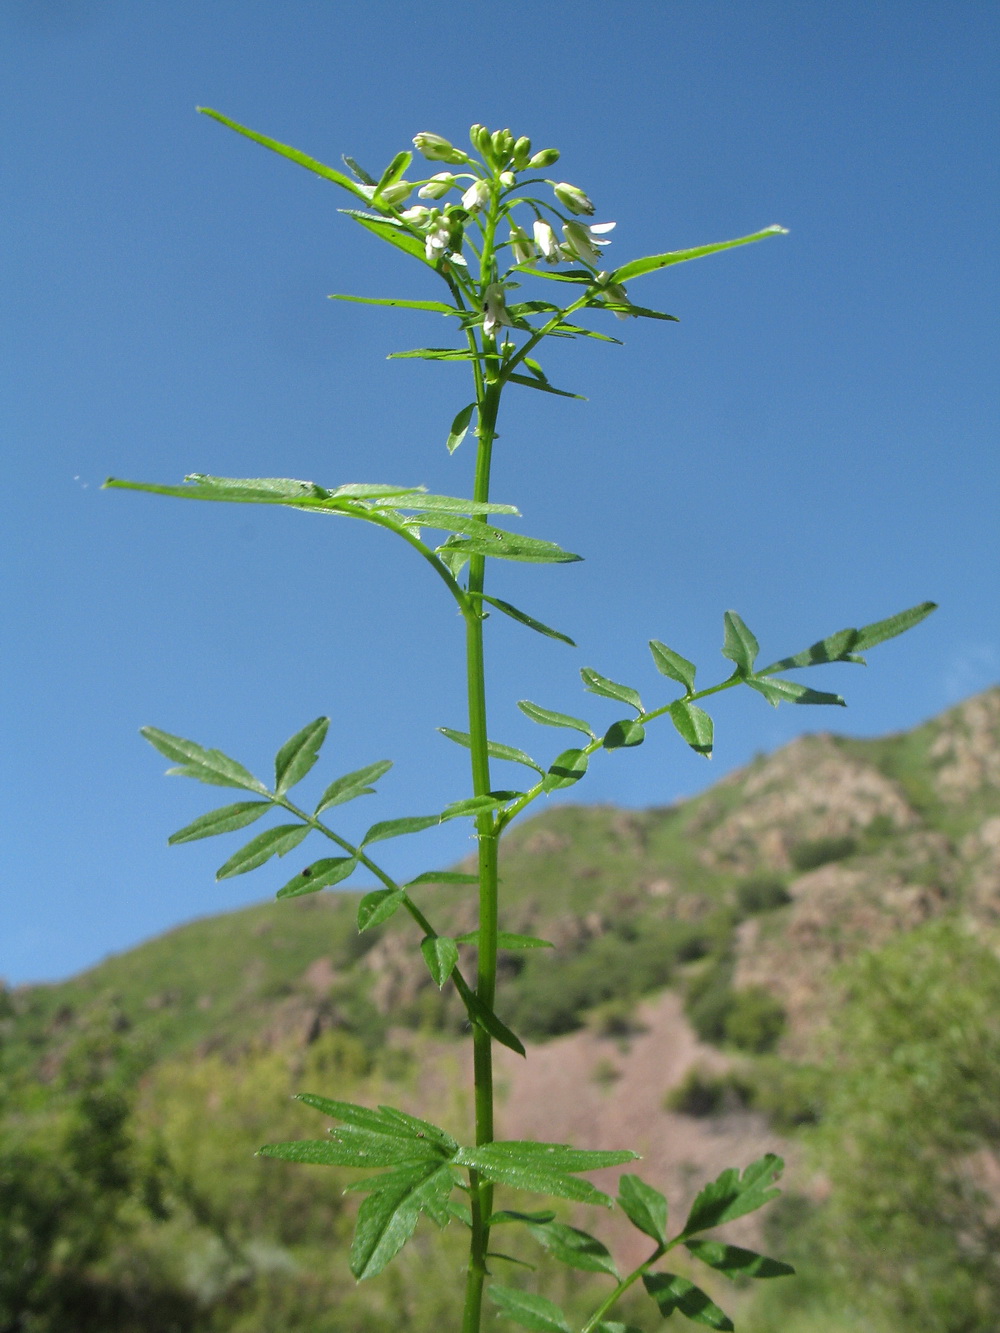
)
(702, 1093)
(819, 851)
(761, 893)
(754, 1021)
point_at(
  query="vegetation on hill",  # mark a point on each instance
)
(846, 878)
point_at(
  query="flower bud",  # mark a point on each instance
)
(547, 157)
(495, 309)
(437, 186)
(508, 180)
(481, 140)
(477, 196)
(395, 194)
(545, 239)
(572, 198)
(521, 245)
(438, 149)
(522, 152)
(418, 215)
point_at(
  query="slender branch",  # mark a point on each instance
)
(623, 1286)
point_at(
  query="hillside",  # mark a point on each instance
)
(685, 1011)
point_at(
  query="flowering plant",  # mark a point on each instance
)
(491, 223)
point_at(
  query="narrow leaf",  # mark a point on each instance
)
(645, 1207)
(505, 1215)
(358, 170)
(361, 1151)
(671, 664)
(320, 875)
(694, 725)
(275, 841)
(671, 1293)
(638, 267)
(575, 1248)
(776, 690)
(224, 820)
(378, 906)
(530, 1311)
(393, 172)
(880, 630)
(433, 353)
(435, 307)
(389, 230)
(525, 619)
(353, 784)
(483, 1016)
(459, 427)
(734, 1262)
(443, 877)
(328, 173)
(388, 1217)
(733, 1195)
(547, 718)
(454, 504)
(507, 940)
(440, 954)
(494, 748)
(567, 768)
(739, 644)
(297, 756)
(530, 382)
(511, 546)
(598, 684)
(384, 1120)
(473, 805)
(625, 734)
(210, 766)
(394, 828)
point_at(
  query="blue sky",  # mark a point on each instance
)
(813, 445)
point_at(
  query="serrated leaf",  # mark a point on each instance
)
(384, 1120)
(354, 784)
(776, 690)
(459, 427)
(575, 1248)
(644, 1206)
(507, 940)
(226, 819)
(440, 954)
(378, 906)
(625, 734)
(541, 1168)
(493, 748)
(320, 875)
(297, 756)
(360, 1150)
(739, 645)
(443, 877)
(547, 718)
(598, 684)
(510, 546)
(194, 761)
(637, 268)
(395, 828)
(530, 1311)
(733, 1195)
(671, 1293)
(671, 664)
(694, 725)
(566, 769)
(275, 841)
(734, 1262)
(388, 1217)
(523, 618)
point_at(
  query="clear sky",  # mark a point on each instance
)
(813, 445)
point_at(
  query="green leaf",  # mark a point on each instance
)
(507, 940)
(739, 644)
(443, 877)
(671, 1293)
(547, 718)
(388, 1217)
(378, 906)
(391, 231)
(622, 735)
(543, 1168)
(293, 154)
(224, 820)
(353, 784)
(530, 382)
(435, 307)
(454, 504)
(362, 1150)
(473, 805)
(645, 1207)
(493, 748)
(627, 308)
(776, 691)
(358, 170)
(573, 1247)
(505, 1215)
(394, 828)
(637, 268)
(528, 1310)
(567, 768)
(440, 955)
(394, 172)
(210, 766)
(694, 725)
(297, 756)
(598, 684)
(233, 490)
(733, 1195)
(275, 841)
(483, 1016)
(459, 427)
(434, 353)
(320, 875)
(615, 1326)
(880, 630)
(669, 663)
(525, 619)
(734, 1262)
(384, 1120)
(509, 546)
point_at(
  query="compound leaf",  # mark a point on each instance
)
(354, 784)
(733, 1195)
(297, 756)
(194, 761)
(388, 1217)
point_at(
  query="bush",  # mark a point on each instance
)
(754, 1021)
(702, 1093)
(819, 851)
(761, 893)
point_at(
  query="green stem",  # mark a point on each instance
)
(610, 1301)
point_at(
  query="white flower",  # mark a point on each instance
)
(395, 194)
(545, 239)
(495, 309)
(438, 149)
(418, 215)
(508, 180)
(437, 240)
(437, 186)
(572, 198)
(520, 244)
(583, 241)
(477, 196)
